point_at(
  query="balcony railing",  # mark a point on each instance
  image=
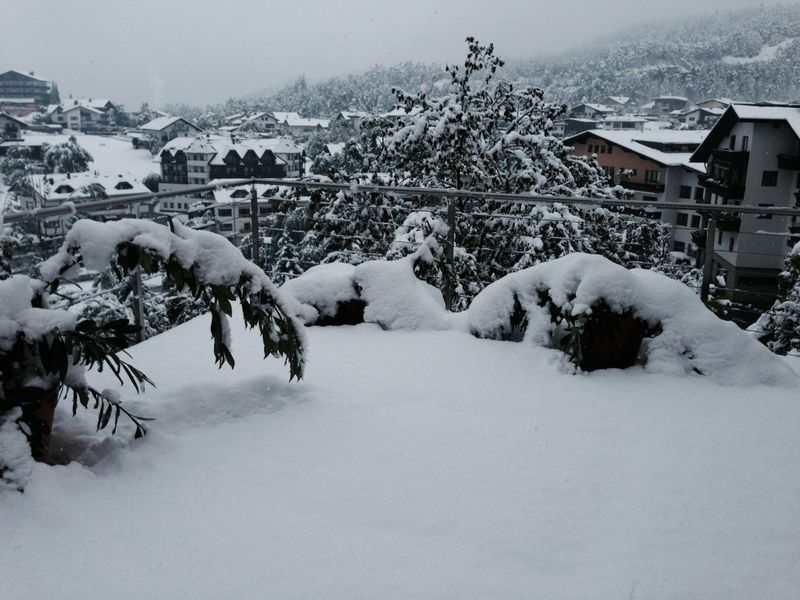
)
(734, 158)
(723, 187)
(654, 188)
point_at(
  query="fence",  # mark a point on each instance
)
(745, 298)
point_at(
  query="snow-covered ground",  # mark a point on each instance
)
(765, 54)
(112, 156)
(413, 465)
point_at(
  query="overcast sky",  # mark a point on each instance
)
(206, 51)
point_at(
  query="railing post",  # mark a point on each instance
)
(449, 254)
(711, 232)
(254, 233)
(138, 304)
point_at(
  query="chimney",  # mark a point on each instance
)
(32, 75)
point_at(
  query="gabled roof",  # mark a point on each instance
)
(636, 142)
(46, 185)
(82, 107)
(5, 115)
(619, 99)
(352, 114)
(161, 123)
(282, 116)
(750, 112)
(596, 107)
(28, 75)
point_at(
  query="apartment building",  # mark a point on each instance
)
(752, 158)
(655, 166)
(190, 162)
(14, 84)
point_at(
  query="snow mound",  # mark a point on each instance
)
(318, 292)
(691, 338)
(393, 296)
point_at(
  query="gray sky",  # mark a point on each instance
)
(209, 50)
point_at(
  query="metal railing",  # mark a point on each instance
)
(451, 203)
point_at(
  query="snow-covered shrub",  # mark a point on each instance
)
(388, 293)
(544, 304)
(68, 157)
(779, 327)
(44, 351)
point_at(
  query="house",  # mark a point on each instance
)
(164, 129)
(14, 84)
(716, 103)
(190, 162)
(18, 107)
(752, 158)
(348, 122)
(576, 125)
(702, 117)
(10, 126)
(590, 111)
(655, 166)
(666, 104)
(36, 146)
(293, 123)
(46, 191)
(625, 122)
(618, 103)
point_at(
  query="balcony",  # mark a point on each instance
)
(723, 187)
(732, 158)
(790, 162)
(729, 222)
(653, 188)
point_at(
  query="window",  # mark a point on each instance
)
(769, 179)
(730, 243)
(244, 212)
(695, 221)
(602, 149)
(719, 237)
(652, 176)
(699, 194)
(680, 246)
(745, 143)
(683, 219)
(686, 192)
(610, 149)
(224, 212)
(732, 144)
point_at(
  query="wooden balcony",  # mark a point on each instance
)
(790, 162)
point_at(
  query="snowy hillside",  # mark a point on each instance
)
(413, 465)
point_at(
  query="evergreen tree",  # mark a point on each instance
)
(779, 327)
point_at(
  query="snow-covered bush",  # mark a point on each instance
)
(44, 351)
(68, 157)
(562, 303)
(779, 327)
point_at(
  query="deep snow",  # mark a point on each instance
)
(413, 465)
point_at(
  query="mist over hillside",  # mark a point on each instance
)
(751, 54)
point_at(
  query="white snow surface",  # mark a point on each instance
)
(318, 291)
(766, 53)
(412, 464)
(17, 314)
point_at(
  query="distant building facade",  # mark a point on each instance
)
(14, 84)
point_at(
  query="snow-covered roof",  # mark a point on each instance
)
(298, 121)
(83, 107)
(241, 193)
(282, 116)
(5, 115)
(624, 119)
(636, 141)
(161, 123)
(400, 111)
(619, 99)
(596, 107)
(72, 186)
(680, 98)
(28, 75)
(17, 100)
(711, 111)
(352, 114)
(334, 149)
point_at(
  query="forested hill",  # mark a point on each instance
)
(751, 54)
(746, 55)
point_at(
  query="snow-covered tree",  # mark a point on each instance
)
(68, 157)
(779, 327)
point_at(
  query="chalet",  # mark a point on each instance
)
(18, 107)
(164, 129)
(292, 122)
(348, 122)
(46, 191)
(655, 166)
(574, 126)
(618, 103)
(85, 115)
(622, 122)
(10, 127)
(591, 111)
(752, 158)
(14, 84)
(666, 104)
(702, 117)
(716, 103)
